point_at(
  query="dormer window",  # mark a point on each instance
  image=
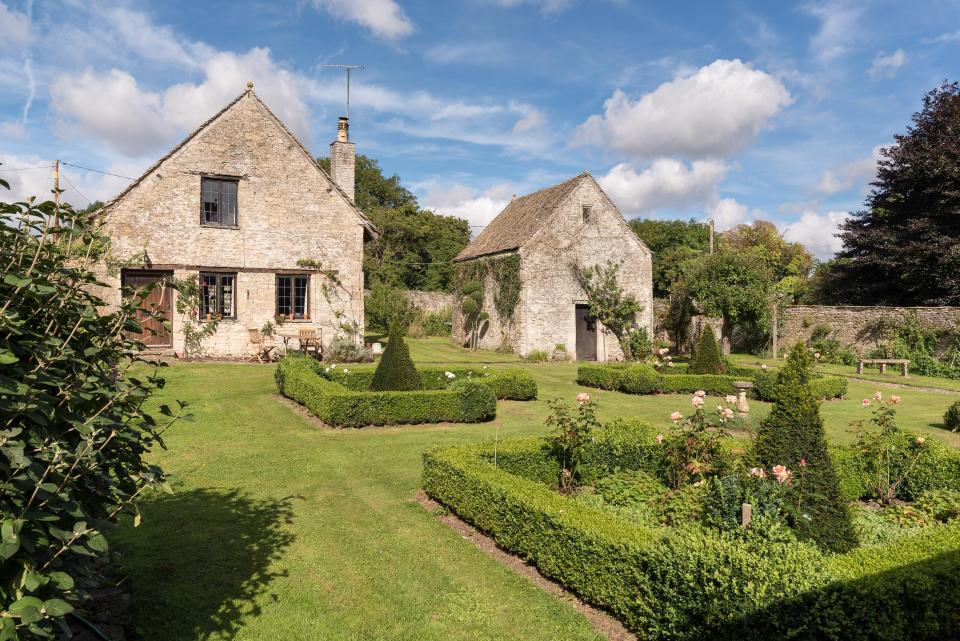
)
(218, 202)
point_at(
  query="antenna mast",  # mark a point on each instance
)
(348, 69)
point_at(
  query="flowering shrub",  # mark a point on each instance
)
(571, 434)
(693, 448)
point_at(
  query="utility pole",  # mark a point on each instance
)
(348, 69)
(56, 193)
(710, 223)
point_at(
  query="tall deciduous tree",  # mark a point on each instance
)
(416, 245)
(903, 248)
(733, 286)
(789, 264)
(675, 244)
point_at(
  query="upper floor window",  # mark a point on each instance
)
(217, 295)
(218, 202)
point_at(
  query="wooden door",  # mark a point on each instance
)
(586, 334)
(155, 307)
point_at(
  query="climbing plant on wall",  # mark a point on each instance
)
(505, 271)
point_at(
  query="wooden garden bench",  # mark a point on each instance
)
(883, 362)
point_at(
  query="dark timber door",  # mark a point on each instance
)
(586, 334)
(155, 306)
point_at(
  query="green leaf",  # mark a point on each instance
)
(27, 609)
(62, 580)
(7, 357)
(57, 607)
(16, 281)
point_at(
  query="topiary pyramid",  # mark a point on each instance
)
(793, 432)
(706, 359)
(395, 372)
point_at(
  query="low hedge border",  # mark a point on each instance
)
(507, 384)
(690, 583)
(635, 378)
(464, 401)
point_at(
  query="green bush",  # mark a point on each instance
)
(793, 433)
(507, 384)
(691, 583)
(395, 371)
(951, 418)
(302, 380)
(346, 350)
(640, 379)
(386, 306)
(602, 376)
(537, 356)
(706, 358)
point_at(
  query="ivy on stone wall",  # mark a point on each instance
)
(505, 271)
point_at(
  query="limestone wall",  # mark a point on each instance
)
(849, 323)
(287, 210)
(430, 302)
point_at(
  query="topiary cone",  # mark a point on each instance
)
(395, 372)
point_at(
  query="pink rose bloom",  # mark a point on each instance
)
(660, 436)
(782, 474)
(669, 363)
(583, 397)
(758, 472)
(921, 440)
(730, 398)
(763, 367)
(697, 402)
(877, 396)
(676, 416)
(663, 351)
(727, 413)
(816, 354)
(866, 402)
(803, 462)
(700, 393)
(894, 399)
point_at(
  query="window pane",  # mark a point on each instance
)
(208, 297)
(228, 203)
(226, 296)
(300, 296)
(211, 201)
(283, 295)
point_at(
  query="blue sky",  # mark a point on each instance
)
(730, 110)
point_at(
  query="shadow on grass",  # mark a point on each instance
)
(203, 561)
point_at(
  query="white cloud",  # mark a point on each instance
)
(711, 113)
(141, 37)
(35, 178)
(12, 129)
(111, 107)
(953, 36)
(478, 207)
(839, 29)
(533, 119)
(385, 18)
(887, 66)
(15, 32)
(727, 213)
(816, 232)
(665, 184)
(479, 53)
(845, 176)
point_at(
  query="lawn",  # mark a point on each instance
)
(280, 530)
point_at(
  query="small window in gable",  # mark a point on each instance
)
(586, 208)
(218, 202)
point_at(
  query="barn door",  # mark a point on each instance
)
(155, 307)
(586, 334)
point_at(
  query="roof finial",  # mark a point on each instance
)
(249, 84)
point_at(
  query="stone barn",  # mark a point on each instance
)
(242, 207)
(531, 246)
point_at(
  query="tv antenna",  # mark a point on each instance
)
(348, 69)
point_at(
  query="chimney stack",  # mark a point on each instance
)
(343, 158)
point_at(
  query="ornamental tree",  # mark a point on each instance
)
(395, 371)
(610, 305)
(733, 286)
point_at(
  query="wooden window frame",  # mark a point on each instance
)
(305, 316)
(220, 181)
(219, 276)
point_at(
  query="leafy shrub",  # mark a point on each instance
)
(605, 377)
(537, 356)
(906, 336)
(640, 346)
(436, 323)
(707, 359)
(693, 448)
(75, 431)
(793, 435)
(395, 371)
(346, 350)
(822, 387)
(640, 379)
(511, 383)
(570, 436)
(386, 306)
(830, 350)
(951, 418)
(465, 401)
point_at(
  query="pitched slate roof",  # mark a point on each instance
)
(367, 223)
(518, 221)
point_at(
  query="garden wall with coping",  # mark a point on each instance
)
(850, 323)
(427, 302)
(688, 582)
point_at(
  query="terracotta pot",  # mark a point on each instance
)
(209, 316)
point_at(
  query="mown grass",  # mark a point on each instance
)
(280, 530)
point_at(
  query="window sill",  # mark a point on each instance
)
(299, 320)
(215, 226)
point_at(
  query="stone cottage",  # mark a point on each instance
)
(238, 205)
(546, 233)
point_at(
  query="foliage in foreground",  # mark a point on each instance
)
(793, 435)
(74, 428)
(395, 371)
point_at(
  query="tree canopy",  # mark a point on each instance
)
(675, 244)
(416, 245)
(903, 248)
(789, 264)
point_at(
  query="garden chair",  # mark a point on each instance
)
(309, 342)
(262, 345)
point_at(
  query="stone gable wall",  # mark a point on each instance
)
(545, 315)
(849, 323)
(287, 211)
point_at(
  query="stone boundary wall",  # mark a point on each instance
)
(427, 302)
(849, 323)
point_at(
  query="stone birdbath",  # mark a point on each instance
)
(742, 386)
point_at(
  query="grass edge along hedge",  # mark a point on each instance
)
(512, 384)
(637, 378)
(463, 402)
(689, 583)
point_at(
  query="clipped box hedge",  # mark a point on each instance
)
(463, 401)
(507, 384)
(636, 378)
(693, 583)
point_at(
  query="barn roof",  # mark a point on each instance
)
(519, 221)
